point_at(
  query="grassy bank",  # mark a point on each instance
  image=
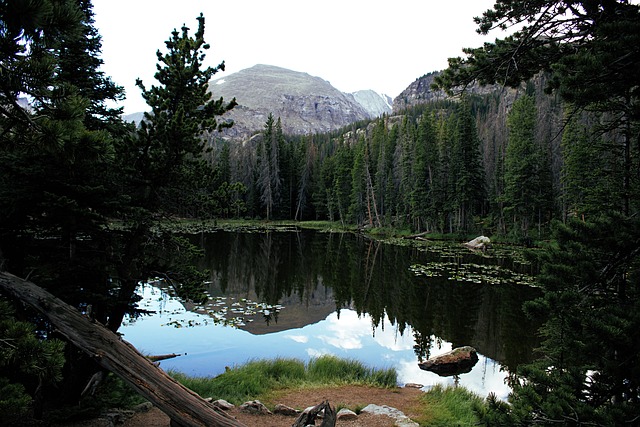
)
(258, 379)
(263, 379)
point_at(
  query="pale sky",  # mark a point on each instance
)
(353, 44)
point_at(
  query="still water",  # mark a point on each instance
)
(302, 294)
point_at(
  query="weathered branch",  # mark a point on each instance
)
(309, 417)
(183, 406)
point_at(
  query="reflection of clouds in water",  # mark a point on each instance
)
(298, 338)
(346, 333)
(391, 339)
(352, 332)
(209, 348)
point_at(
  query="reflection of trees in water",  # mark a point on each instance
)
(374, 278)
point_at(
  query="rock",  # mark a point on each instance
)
(255, 407)
(285, 410)
(413, 385)
(223, 404)
(347, 415)
(401, 419)
(480, 243)
(458, 361)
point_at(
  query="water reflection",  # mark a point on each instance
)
(344, 295)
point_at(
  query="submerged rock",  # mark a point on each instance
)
(458, 361)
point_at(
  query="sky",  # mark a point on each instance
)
(353, 44)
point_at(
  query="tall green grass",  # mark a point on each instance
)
(449, 406)
(258, 378)
(333, 370)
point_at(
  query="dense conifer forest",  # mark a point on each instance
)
(493, 164)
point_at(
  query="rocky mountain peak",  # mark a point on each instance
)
(304, 103)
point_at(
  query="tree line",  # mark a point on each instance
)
(429, 168)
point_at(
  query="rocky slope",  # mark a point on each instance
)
(374, 103)
(304, 103)
(420, 92)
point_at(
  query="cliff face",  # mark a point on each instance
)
(305, 104)
(418, 92)
(374, 103)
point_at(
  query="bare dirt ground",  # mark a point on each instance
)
(351, 397)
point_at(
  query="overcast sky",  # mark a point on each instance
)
(353, 44)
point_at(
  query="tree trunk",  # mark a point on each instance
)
(183, 406)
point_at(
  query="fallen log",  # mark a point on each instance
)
(160, 357)
(184, 407)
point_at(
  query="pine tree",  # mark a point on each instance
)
(357, 210)
(268, 177)
(591, 174)
(466, 166)
(587, 374)
(526, 193)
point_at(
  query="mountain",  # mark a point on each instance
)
(374, 103)
(133, 117)
(420, 92)
(304, 103)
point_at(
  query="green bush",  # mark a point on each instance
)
(25, 361)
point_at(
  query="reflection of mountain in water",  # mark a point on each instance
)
(313, 274)
(298, 310)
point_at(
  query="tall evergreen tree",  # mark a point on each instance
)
(467, 173)
(268, 176)
(57, 158)
(588, 375)
(527, 195)
(424, 193)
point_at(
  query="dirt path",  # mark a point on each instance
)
(351, 397)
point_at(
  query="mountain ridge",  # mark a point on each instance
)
(306, 104)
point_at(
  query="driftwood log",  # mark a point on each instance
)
(184, 407)
(160, 357)
(308, 417)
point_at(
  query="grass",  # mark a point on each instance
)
(449, 406)
(259, 378)
(264, 379)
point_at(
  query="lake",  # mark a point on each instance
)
(302, 294)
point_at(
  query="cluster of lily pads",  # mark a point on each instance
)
(473, 273)
(230, 311)
(217, 310)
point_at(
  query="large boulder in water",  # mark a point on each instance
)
(458, 361)
(480, 243)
